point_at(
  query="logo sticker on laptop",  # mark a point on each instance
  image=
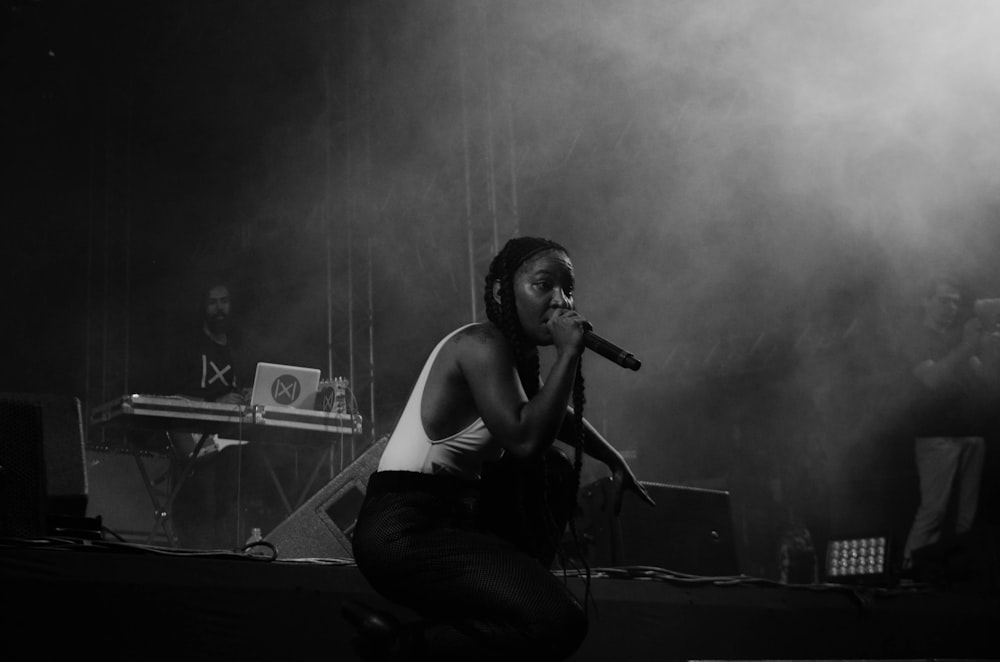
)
(285, 389)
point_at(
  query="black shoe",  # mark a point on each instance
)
(379, 634)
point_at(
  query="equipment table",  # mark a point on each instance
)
(319, 432)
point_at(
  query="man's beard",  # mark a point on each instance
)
(218, 324)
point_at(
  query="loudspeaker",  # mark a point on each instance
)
(322, 526)
(118, 494)
(43, 473)
(689, 530)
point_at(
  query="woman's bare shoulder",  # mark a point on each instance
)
(482, 332)
(478, 338)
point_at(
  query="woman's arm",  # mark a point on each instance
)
(599, 448)
(523, 427)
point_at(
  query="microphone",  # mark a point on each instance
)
(608, 349)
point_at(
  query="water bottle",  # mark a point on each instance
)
(255, 544)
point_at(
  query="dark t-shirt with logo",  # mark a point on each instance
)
(203, 369)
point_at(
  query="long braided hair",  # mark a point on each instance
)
(503, 314)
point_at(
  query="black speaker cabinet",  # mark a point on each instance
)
(42, 465)
(322, 526)
(689, 530)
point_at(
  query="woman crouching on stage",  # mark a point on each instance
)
(464, 517)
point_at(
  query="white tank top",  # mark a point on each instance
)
(461, 454)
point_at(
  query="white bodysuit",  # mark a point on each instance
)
(461, 454)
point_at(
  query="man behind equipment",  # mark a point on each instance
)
(204, 367)
(210, 372)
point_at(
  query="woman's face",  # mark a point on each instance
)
(542, 284)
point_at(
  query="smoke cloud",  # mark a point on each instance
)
(751, 190)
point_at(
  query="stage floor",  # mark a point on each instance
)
(127, 601)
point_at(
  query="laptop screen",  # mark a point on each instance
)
(284, 386)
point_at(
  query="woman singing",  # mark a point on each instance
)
(463, 518)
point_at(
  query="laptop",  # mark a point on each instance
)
(276, 385)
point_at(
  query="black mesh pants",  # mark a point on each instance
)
(431, 543)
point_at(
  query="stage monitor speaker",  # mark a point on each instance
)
(43, 473)
(689, 530)
(322, 526)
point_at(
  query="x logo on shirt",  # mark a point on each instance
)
(220, 373)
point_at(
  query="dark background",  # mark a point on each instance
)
(751, 193)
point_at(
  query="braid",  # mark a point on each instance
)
(579, 399)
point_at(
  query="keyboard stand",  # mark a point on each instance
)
(162, 509)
